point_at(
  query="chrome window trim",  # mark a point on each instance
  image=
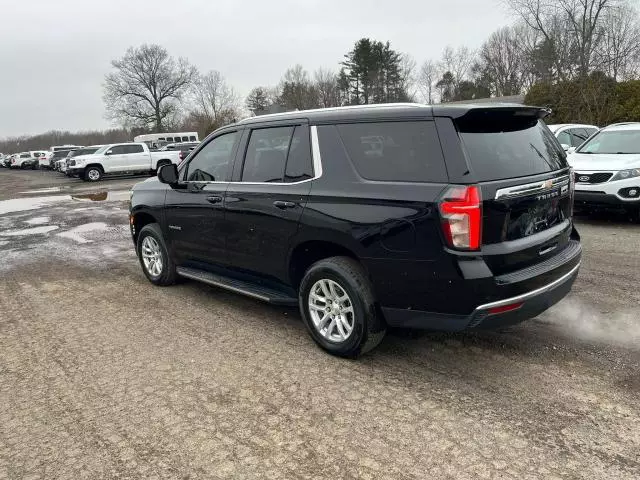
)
(316, 160)
(531, 188)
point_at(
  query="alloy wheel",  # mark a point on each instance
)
(331, 310)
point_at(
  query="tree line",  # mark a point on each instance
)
(581, 58)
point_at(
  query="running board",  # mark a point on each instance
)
(259, 292)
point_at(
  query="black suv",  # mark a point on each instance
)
(444, 217)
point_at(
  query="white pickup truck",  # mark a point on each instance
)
(119, 159)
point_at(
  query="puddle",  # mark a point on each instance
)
(30, 231)
(103, 196)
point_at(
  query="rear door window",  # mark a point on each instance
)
(267, 154)
(134, 149)
(501, 146)
(395, 151)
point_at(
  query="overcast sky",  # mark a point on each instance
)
(54, 53)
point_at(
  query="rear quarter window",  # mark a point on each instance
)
(395, 151)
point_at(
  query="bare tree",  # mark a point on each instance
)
(326, 83)
(146, 86)
(408, 81)
(573, 28)
(619, 50)
(214, 99)
(504, 60)
(427, 78)
(458, 62)
(297, 92)
(259, 99)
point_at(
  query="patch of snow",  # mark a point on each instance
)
(37, 221)
(30, 231)
(42, 190)
(75, 234)
(24, 204)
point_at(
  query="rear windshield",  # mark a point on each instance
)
(501, 145)
(395, 151)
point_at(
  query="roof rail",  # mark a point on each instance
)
(333, 109)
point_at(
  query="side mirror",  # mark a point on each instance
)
(168, 174)
(108, 152)
(565, 147)
(571, 149)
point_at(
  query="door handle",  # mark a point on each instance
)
(283, 205)
(214, 199)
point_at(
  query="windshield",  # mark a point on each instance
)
(82, 151)
(613, 142)
(101, 150)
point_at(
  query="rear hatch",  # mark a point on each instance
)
(525, 185)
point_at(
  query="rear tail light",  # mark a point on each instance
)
(461, 212)
(181, 155)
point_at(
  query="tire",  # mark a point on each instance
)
(167, 274)
(92, 174)
(344, 276)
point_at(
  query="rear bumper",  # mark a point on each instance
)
(531, 304)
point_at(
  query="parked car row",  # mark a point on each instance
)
(93, 162)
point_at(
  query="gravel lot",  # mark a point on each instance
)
(103, 375)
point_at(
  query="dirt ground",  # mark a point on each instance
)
(103, 375)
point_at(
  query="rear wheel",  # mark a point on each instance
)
(338, 306)
(92, 174)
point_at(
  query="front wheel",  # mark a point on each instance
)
(154, 257)
(92, 174)
(338, 306)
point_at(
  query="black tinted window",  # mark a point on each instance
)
(503, 145)
(118, 150)
(212, 162)
(395, 151)
(134, 149)
(299, 164)
(267, 154)
(192, 138)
